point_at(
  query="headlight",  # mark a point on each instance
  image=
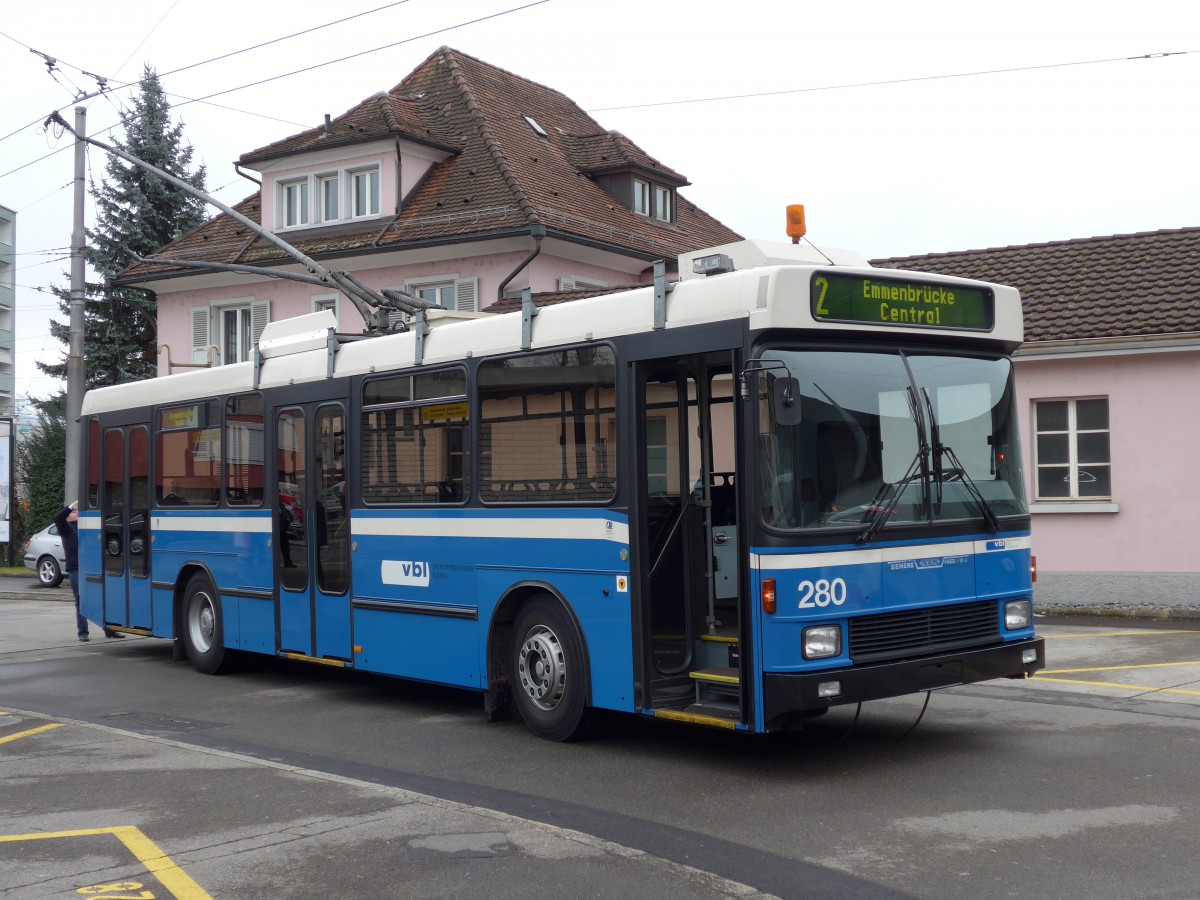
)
(1018, 614)
(822, 641)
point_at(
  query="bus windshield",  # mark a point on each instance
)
(887, 438)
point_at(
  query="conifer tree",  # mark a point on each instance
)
(39, 469)
(135, 211)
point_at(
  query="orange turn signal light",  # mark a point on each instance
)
(768, 595)
(1033, 567)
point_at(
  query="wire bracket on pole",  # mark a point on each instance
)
(420, 326)
(528, 312)
(661, 288)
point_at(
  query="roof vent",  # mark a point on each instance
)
(328, 126)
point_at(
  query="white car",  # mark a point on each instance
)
(44, 555)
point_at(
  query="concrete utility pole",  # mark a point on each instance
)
(75, 368)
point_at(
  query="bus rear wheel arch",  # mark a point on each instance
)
(202, 627)
(547, 670)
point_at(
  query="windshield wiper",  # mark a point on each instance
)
(883, 513)
(935, 434)
(959, 469)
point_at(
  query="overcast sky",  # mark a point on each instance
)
(875, 114)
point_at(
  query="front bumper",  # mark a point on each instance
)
(785, 695)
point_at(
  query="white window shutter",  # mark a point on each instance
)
(200, 338)
(260, 315)
(566, 283)
(466, 291)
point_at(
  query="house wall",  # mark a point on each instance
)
(1154, 420)
(290, 298)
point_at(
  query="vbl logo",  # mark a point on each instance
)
(410, 573)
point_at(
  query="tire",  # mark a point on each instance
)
(49, 573)
(546, 662)
(203, 629)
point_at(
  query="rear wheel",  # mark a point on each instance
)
(48, 572)
(203, 630)
(548, 681)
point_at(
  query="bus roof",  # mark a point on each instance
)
(777, 295)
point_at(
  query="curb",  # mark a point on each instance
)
(1131, 612)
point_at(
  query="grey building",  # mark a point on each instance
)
(8, 247)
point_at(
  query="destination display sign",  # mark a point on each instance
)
(883, 300)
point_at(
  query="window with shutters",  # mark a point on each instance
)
(226, 333)
(447, 291)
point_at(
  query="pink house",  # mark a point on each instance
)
(464, 184)
(1109, 378)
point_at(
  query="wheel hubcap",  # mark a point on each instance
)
(202, 622)
(542, 667)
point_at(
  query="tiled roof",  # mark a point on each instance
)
(501, 178)
(1124, 285)
(610, 151)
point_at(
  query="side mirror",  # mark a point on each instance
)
(785, 400)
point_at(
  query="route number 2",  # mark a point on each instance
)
(823, 286)
(822, 593)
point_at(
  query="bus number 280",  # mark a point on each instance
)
(821, 593)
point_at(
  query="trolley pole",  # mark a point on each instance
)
(75, 366)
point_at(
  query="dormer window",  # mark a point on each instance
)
(641, 197)
(662, 203)
(295, 203)
(364, 193)
(656, 201)
(329, 197)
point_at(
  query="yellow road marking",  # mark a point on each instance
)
(31, 731)
(173, 878)
(1195, 662)
(1124, 687)
(1118, 633)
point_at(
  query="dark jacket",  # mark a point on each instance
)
(70, 537)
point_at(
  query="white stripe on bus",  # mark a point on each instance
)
(866, 556)
(597, 529)
(257, 524)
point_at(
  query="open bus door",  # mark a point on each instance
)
(688, 575)
(125, 528)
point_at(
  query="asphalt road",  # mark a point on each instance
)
(293, 780)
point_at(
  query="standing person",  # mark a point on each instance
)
(68, 529)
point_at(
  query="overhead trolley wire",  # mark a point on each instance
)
(890, 81)
(189, 100)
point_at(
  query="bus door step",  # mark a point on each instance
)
(718, 687)
(718, 650)
(702, 715)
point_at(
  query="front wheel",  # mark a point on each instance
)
(547, 666)
(203, 632)
(48, 572)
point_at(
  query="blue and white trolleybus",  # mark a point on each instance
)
(784, 482)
